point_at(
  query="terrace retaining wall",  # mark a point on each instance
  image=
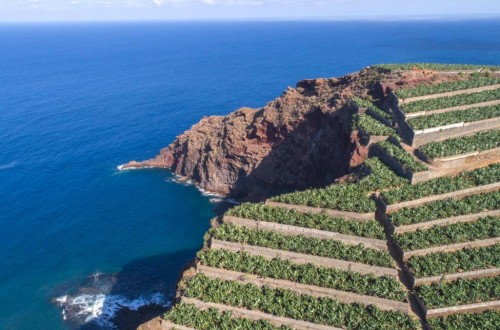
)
(305, 289)
(396, 166)
(452, 93)
(334, 213)
(443, 171)
(455, 276)
(314, 233)
(258, 315)
(451, 109)
(463, 159)
(445, 222)
(448, 248)
(375, 115)
(439, 167)
(303, 259)
(169, 326)
(466, 129)
(403, 128)
(391, 208)
(408, 135)
(470, 308)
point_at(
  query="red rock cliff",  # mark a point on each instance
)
(299, 140)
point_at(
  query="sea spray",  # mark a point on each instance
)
(95, 303)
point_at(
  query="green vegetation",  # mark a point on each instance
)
(353, 197)
(371, 126)
(488, 227)
(343, 197)
(402, 156)
(190, 316)
(460, 292)
(369, 105)
(455, 262)
(302, 244)
(446, 208)
(481, 321)
(435, 66)
(287, 303)
(453, 117)
(380, 176)
(321, 221)
(450, 86)
(468, 179)
(280, 269)
(477, 142)
(452, 101)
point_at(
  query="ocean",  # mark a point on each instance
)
(80, 239)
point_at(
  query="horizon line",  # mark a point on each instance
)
(380, 18)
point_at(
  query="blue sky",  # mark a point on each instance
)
(91, 10)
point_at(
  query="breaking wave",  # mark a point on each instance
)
(188, 183)
(123, 168)
(94, 303)
(101, 308)
(208, 193)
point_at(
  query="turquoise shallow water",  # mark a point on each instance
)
(78, 100)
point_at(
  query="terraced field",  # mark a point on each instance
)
(444, 102)
(354, 197)
(426, 90)
(466, 144)
(454, 117)
(395, 151)
(436, 67)
(381, 252)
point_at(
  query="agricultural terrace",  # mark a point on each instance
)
(412, 241)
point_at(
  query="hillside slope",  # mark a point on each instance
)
(410, 241)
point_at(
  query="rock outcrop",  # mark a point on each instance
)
(301, 139)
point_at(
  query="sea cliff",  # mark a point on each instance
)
(303, 138)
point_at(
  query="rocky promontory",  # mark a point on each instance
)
(301, 139)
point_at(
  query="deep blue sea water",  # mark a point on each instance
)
(78, 100)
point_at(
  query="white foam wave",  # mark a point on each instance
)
(180, 180)
(102, 309)
(185, 182)
(123, 168)
(208, 193)
(62, 300)
(224, 200)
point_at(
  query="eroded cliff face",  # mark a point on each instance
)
(301, 139)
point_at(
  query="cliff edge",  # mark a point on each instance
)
(301, 139)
